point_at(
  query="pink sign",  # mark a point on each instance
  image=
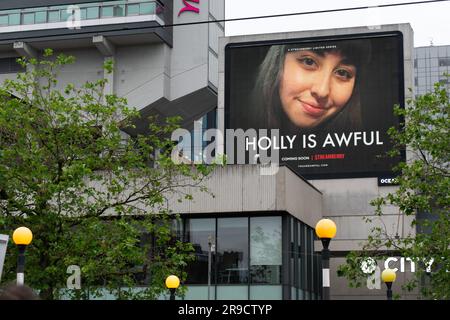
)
(189, 7)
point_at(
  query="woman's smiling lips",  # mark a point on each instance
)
(313, 110)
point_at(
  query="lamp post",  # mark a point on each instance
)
(388, 276)
(211, 249)
(326, 230)
(172, 283)
(22, 237)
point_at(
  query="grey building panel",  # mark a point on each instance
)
(242, 188)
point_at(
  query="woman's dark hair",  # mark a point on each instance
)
(266, 101)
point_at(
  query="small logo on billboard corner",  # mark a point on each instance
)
(387, 181)
(189, 7)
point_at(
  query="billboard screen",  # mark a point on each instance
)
(330, 100)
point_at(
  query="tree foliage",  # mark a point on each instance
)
(422, 193)
(92, 196)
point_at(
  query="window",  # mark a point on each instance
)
(232, 250)
(265, 250)
(4, 20)
(53, 16)
(41, 17)
(107, 12)
(28, 18)
(198, 231)
(92, 13)
(119, 10)
(65, 14)
(147, 8)
(10, 65)
(132, 9)
(444, 62)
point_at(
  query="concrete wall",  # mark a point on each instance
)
(241, 188)
(142, 73)
(195, 48)
(88, 66)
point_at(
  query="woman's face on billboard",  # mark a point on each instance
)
(315, 86)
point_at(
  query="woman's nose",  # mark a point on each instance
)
(321, 87)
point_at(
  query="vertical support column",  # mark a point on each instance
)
(107, 49)
(326, 272)
(21, 265)
(25, 50)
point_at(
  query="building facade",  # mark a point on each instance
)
(258, 231)
(430, 65)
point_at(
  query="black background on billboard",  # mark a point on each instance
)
(384, 89)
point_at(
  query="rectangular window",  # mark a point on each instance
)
(41, 17)
(28, 18)
(119, 10)
(92, 13)
(198, 232)
(265, 250)
(132, 9)
(4, 20)
(444, 62)
(53, 16)
(83, 14)
(10, 65)
(65, 15)
(232, 250)
(14, 19)
(147, 8)
(107, 12)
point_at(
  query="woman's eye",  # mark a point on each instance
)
(344, 74)
(307, 61)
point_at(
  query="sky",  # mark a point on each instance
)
(429, 21)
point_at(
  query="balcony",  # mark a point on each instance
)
(76, 21)
(88, 14)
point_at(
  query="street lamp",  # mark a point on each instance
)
(326, 230)
(22, 237)
(172, 283)
(388, 276)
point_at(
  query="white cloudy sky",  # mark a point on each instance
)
(430, 21)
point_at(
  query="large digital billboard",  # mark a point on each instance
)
(330, 98)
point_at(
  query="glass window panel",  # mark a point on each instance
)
(41, 17)
(28, 18)
(232, 250)
(147, 8)
(92, 13)
(265, 292)
(265, 250)
(65, 15)
(132, 9)
(119, 10)
(53, 16)
(14, 19)
(300, 294)
(199, 293)
(4, 20)
(299, 257)
(198, 231)
(232, 292)
(107, 12)
(83, 14)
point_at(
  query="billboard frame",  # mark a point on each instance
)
(314, 39)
